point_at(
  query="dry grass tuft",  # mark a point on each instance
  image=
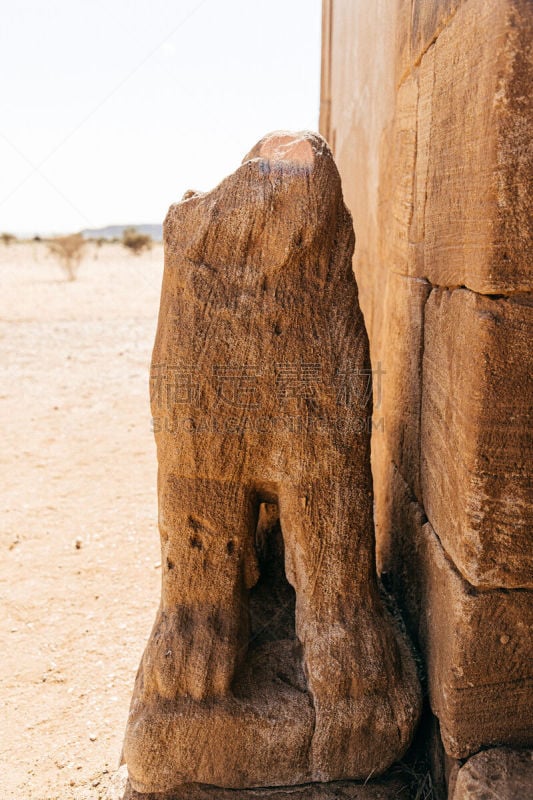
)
(69, 251)
(136, 241)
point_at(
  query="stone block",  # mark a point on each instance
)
(500, 773)
(476, 644)
(477, 441)
(478, 207)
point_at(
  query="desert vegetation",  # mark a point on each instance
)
(8, 238)
(136, 241)
(69, 251)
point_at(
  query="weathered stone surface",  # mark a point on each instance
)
(394, 788)
(427, 21)
(418, 24)
(359, 43)
(479, 207)
(397, 396)
(500, 773)
(262, 395)
(476, 644)
(455, 78)
(429, 112)
(462, 200)
(397, 187)
(477, 442)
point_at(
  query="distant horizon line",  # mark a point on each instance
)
(31, 234)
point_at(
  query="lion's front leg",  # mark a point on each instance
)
(359, 669)
(201, 630)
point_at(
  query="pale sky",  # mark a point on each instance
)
(111, 109)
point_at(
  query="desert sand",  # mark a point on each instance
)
(79, 572)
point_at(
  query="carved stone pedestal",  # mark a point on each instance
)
(383, 789)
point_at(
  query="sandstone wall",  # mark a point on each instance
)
(428, 107)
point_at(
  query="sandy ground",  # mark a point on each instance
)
(77, 463)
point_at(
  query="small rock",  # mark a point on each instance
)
(117, 784)
(79, 543)
(93, 737)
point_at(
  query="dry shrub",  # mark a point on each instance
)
(8, 238)
(69, 251)
(136, 241)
